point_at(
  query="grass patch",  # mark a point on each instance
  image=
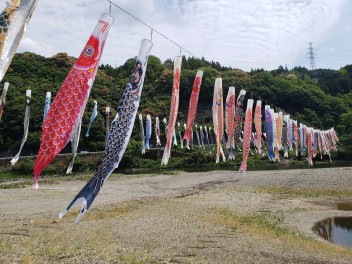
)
(113, 211)
(137, 259)
(91, 241)
(253, 223)
(15, 180)
(13, 185)
(268, 227)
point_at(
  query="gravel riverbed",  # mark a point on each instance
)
(199, 217)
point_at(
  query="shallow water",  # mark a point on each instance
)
(336, 230)
(345, 206)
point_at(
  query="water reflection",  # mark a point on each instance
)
(337, 230)
(347, 206)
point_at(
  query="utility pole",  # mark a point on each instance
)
(312, 68)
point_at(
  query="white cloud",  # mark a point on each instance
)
(243, 34)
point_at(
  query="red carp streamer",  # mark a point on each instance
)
(68, 106)
(192, 109)
(230, 121)
(295, 132)
(258, 126)
(175, 97)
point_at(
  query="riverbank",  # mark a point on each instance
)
(179, 217)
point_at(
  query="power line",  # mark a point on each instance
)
(151, 28)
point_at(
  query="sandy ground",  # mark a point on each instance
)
(208, 217)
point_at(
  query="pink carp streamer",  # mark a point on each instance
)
(218, 118)
(295, 132)
(67, 108)
(258, 125)
(230, 121)
(3, 98)
(275, 146)
(247, 135)
(329, 140)
(320, 146)
(310, 149)
(239, 116)
(192, 109)
(285, 135)
(175, 97)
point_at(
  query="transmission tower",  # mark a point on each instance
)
(311, 57)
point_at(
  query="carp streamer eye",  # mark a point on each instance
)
(88, 51)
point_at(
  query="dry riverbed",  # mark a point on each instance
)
(208, 217)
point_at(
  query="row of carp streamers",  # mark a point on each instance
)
(62, 123)
(46, 110)
(13, 22)
(203, 134)
(280, 131)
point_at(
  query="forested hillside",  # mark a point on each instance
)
(321, 104)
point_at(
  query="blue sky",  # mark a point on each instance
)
(238, 33)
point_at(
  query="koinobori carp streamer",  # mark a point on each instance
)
(63, 120)
(25, 126)
(175, 97)
(93, 116)
(218, 118)
(192, 109)
(148, 131)
(3, 98)
(230, 121)
(119, 134)
(46, 105)
(13, 23)
(247, 135)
